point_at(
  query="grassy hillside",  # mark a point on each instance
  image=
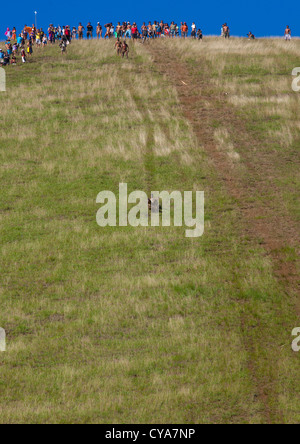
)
(133, 325)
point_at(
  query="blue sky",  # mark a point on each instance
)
(263, 18)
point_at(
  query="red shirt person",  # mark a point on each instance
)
(134, 31)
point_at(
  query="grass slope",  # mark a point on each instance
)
(129, 324)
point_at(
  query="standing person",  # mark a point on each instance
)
(112, 30)
(287, 33)
(9, 49)
(8, 34)
(150, 30)
(184, 30)
(124, 27)
(199, 34)
(99, 31)
(89, 31)
(51, 33)
(51, 36)
(193, 33)
(166, 30)
(154, 30)
(107, 27)
(128, 31)
(68, 34)
(15, 48)
(158, 30)
(134, 31)
(181, 26)
(74, 33)
(119, 30)
(33, 33)
(80, 31)
(162, 27)
(14, 34)
(29, 48)
(20, 41)
(38, 38)
(118, 46)
(173, 29)
(63, 44)
(144, 32)
(226, 31)
(125, 50)
(23, 55)
(25, 33)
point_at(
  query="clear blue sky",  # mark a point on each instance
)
(262, 17)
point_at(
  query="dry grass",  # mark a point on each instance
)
(123, 325)
(222, 138)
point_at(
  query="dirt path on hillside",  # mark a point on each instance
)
(263, 222)
(274, 226)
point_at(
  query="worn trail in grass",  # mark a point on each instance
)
(253, 173)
